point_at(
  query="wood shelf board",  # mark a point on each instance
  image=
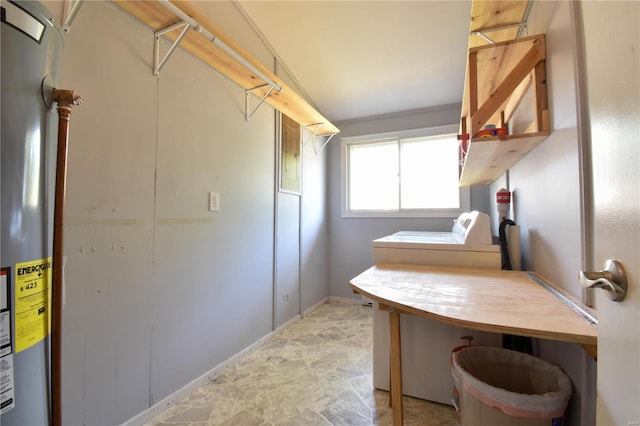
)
(495, 13)
(487, 159)
(156, 16)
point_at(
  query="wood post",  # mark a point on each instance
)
(534, 55)
(396, 366)
(542, 107)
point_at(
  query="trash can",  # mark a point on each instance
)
(504, 387)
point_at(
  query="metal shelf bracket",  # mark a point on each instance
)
(522, 26)
(325, 140)
(219, 43)
(248, 92)
(157, 62)
(189, 22)
(316, 127)
(481, 32)
(71, 8)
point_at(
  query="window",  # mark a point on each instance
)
(412, 173)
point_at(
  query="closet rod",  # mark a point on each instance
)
(186, 18)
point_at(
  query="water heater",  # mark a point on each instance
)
(31, 46)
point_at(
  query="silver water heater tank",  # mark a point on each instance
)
(31, 49)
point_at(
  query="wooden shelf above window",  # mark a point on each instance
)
(506, 87)
(156, 16)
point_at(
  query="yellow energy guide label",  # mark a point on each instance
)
(32, 293)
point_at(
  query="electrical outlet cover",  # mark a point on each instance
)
(214, 201)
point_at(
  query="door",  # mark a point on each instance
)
(613, 74)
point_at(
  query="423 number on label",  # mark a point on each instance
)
(29, 286)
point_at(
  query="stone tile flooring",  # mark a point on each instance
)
(316, 372)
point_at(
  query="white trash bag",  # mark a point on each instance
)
(505, 387)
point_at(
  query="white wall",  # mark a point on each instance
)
(287, 293)
(314, 244)
(546, 184)
(159, 290)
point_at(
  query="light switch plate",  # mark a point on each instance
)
(214, 201)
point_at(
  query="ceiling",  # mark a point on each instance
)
(362, 58)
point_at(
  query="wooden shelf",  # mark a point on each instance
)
(488, 159)
(156, 16)
(505, 86)
(497, 19)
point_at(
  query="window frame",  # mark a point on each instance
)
(346, 142)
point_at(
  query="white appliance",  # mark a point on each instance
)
(468, 244)
(427, 344)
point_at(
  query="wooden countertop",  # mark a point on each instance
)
(482, 299)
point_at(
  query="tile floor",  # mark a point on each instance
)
(316, 372)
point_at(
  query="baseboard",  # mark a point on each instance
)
(345, 300)
(316, 306)
(287, 324)
(181, 393)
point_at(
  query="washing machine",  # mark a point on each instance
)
(427, 344)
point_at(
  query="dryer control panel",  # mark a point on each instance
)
(474, 228)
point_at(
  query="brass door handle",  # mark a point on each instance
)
(612, 279)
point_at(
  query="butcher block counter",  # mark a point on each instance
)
(510, 302)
